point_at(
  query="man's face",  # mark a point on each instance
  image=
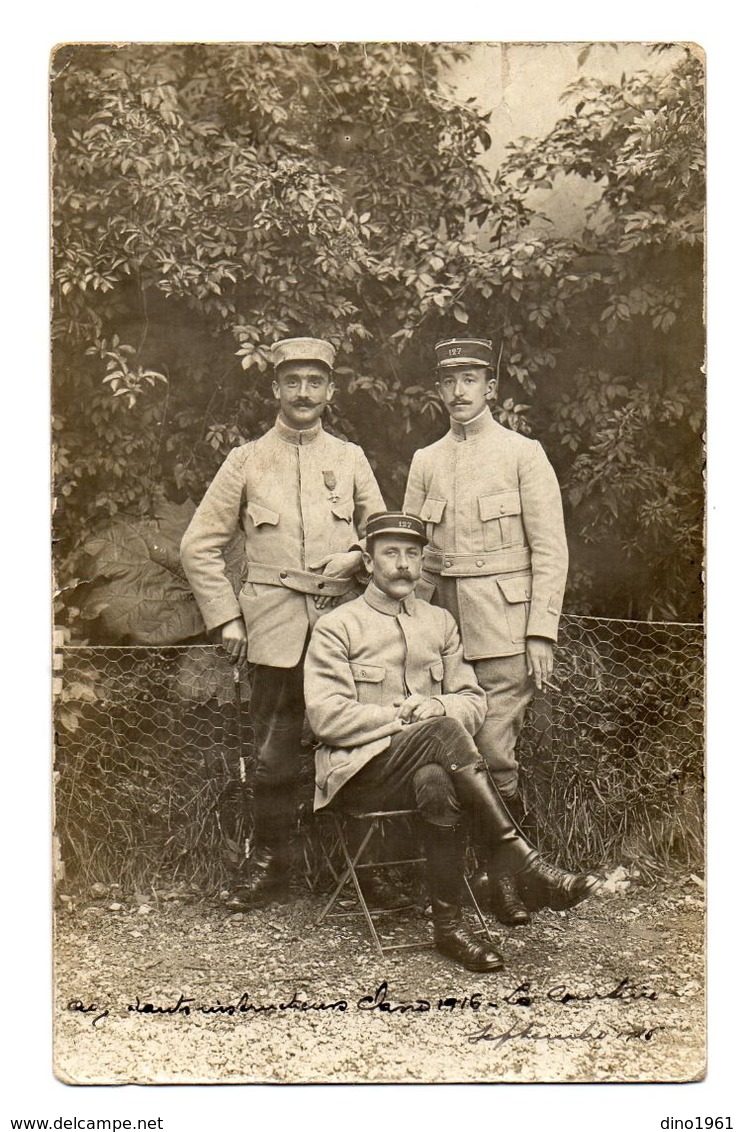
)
(302, 389)
(395, 564)
(465, 390)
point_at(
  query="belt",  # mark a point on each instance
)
(470, 565)
(303, 581)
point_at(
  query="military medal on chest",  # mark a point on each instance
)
(331, 482)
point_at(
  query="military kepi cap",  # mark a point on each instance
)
(303, 350)
(396, 523)
(464, 352)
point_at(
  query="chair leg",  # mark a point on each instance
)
(483, 929)
(349, 873)
(354, 861)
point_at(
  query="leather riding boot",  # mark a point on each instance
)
(505, 901)
(444, 849)
(543, 884)
(492, 820)
(267, 873)
(454, 939)
(498, 893)
(267, 878)
(540, 883)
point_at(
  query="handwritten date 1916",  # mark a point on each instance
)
(383, 1001)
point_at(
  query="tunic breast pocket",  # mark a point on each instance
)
(500, 516)
(432, 513)
(262, 516)
(437, 677)
(368, 679)
(343, 510)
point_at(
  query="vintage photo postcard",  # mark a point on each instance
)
(378, 405)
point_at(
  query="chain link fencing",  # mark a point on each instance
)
(154, 759)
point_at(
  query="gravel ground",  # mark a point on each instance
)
(174, 990)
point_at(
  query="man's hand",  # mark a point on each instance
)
(235, 641)
(341, 565)
(417, 708)
(539, 659)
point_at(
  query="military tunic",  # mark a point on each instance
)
(497, 558)
(297, 495)
(363, 660)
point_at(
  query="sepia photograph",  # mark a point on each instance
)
(378, 415)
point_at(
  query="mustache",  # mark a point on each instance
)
(304, 404)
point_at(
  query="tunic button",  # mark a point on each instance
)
(454, 766)
(321, 585)
(363, 672)
(502, 508)
(283, 574)
(447, 561)
(479, 562)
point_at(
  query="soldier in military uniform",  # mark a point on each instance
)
(497, 559)
(302, 499)
(395, 705)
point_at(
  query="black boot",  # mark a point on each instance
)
(455, 940)
(267, 874)
(506, 903)
(267, 878)
(540, 882)
(444, 867)
(499, 893)
(380, 894)
(543, 884)
(495, 826)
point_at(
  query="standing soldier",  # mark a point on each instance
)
(301, 498)
(498, 558)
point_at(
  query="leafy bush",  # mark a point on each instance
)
(211, 199)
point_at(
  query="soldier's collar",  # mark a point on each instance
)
(298, 435)
(479, 424)
(389, 605)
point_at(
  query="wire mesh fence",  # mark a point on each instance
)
(154, 756)
(613, 755)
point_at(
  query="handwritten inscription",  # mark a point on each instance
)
(534, 1032)
(78, 1007)
(381, 1000)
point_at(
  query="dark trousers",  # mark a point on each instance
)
(277, 713)
(414, 772)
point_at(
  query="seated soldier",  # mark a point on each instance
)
(395, 705)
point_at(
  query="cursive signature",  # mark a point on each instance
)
(536, 1032)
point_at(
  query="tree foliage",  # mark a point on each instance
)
(211, 199)
(627, 408)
